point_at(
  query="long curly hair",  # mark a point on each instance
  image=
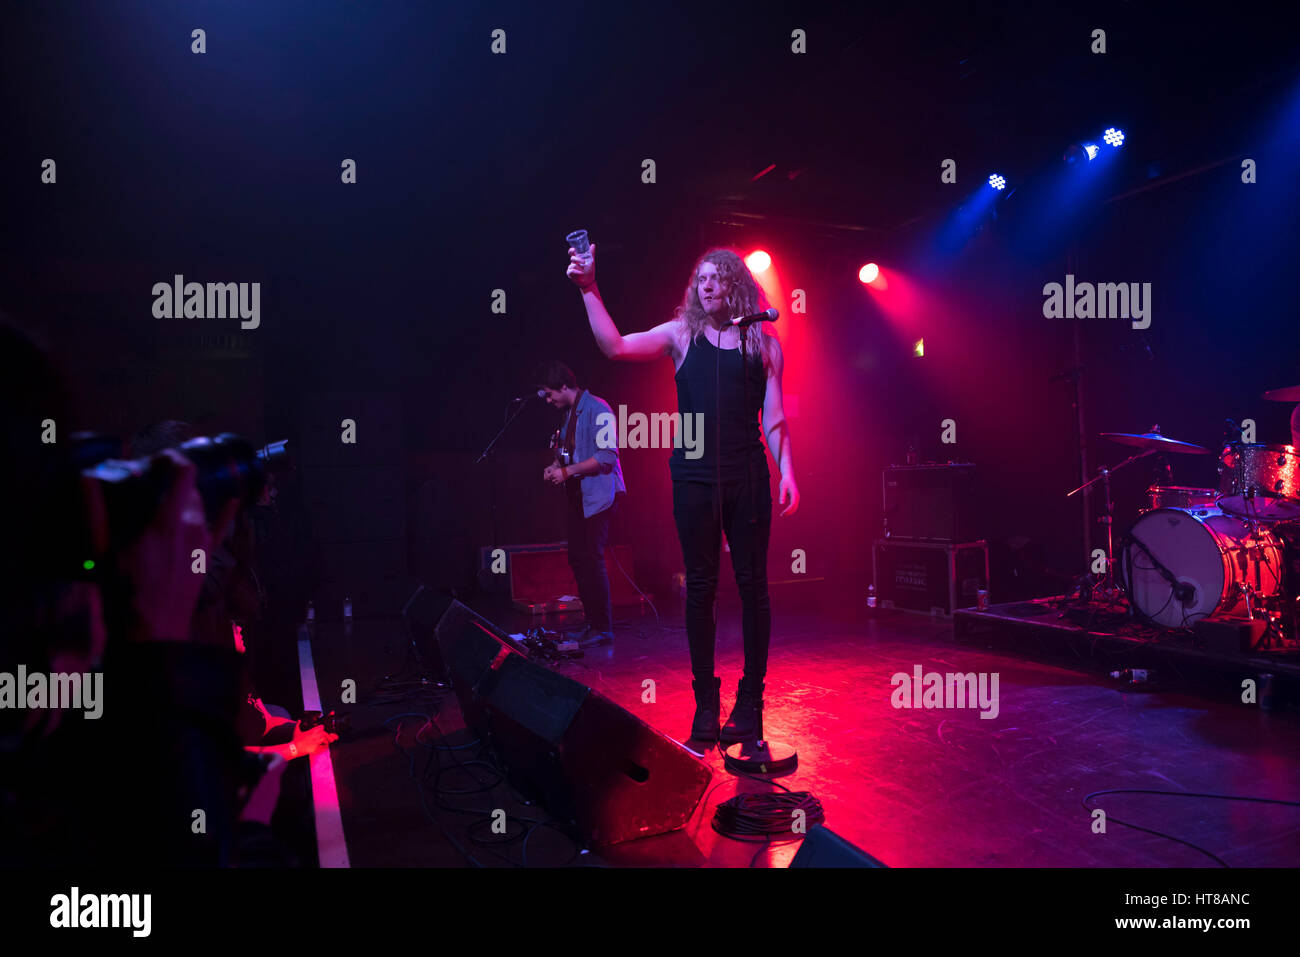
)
(744, 298)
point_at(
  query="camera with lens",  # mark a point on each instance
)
(228, 467)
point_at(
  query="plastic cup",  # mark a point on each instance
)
(581, 244)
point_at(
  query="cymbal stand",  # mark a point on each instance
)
(1108, 589)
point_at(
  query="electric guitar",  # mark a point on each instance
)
(562, 456)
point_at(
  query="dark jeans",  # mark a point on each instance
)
(748, 527)
(587, 540)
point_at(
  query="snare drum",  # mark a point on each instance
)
(1210, 554)
(1181, 496)
(1260, 481)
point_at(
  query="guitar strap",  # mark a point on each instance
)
(570, 428)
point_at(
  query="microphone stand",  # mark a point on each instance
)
(492, 486)
(1177, 588)
(759, 756)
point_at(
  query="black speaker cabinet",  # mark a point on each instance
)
(930, 503)
(603, 772)
(824, 848)
(421, 614)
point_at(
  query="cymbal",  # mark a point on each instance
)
(1155, 442)
(1290, 394)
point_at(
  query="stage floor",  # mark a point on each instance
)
(912, 787)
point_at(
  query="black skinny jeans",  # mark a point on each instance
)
(588, 539)
(748, 527)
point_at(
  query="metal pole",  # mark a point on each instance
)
(1080, 420)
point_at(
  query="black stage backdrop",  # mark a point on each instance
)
(377, 298)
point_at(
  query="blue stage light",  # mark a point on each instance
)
(997, 182)
(1113, 137)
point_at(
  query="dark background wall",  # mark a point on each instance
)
(472, 167)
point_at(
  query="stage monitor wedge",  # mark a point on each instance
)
(606, 775)
(824, 848)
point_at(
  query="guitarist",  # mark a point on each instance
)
(586, 464)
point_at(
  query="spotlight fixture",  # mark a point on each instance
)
(1078, 151)
(998, 182)
(758, 261)
(1113, 137)
(868, 273)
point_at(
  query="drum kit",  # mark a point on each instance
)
(1195, 553)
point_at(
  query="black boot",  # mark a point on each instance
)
(708, 710)
(746, 721)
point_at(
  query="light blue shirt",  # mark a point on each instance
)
(598, 490)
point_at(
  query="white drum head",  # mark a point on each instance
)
(1189, 550)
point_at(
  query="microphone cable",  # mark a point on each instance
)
(759, 817)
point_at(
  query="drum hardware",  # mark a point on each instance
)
(1163, 470)
(1107, 589)
(1247, 591)
(1274, 635)
(1256, 558)
(1150, 443)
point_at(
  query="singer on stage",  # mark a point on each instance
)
(729, 374)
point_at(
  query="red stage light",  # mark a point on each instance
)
(758, 261)
(869, 273)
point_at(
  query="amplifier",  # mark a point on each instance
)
(929, 577)
(537, 576)
(930, 503)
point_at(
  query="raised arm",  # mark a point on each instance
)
(634, 347)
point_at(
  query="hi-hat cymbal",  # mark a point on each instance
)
(1290, 394)
(1155, 442)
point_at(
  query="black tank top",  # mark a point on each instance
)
(709, 383)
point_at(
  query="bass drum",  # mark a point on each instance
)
(1210, 554)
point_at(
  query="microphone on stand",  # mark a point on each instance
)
(771, 315)
(528, 398)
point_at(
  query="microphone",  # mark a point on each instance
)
(770, 315)
(540, 393)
